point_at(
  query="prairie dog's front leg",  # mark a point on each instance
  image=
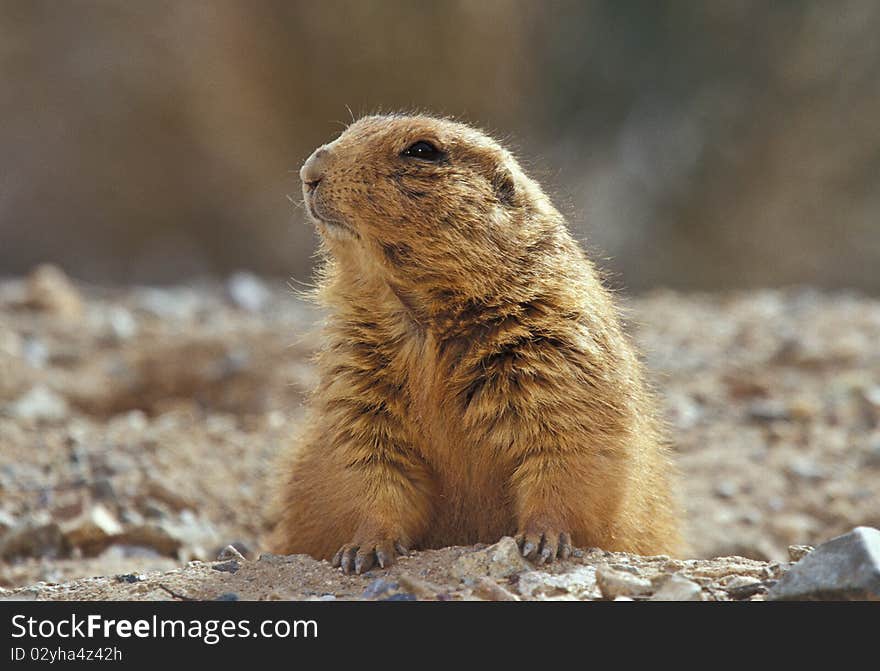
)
(391, 489)
(550, 413)
(543, 486)
(356, 492)
(357, 499)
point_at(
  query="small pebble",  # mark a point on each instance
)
(770, 410)
(50, 290)
(678, 588)
(230, 552)
(613, 583)
(40, 404)
(798, 552)
(248, 292)
(726, 489)
(231, 566)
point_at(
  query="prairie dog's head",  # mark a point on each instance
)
(422, 197)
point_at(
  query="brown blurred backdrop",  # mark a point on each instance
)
(693, 144)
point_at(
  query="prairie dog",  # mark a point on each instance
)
(475, 381)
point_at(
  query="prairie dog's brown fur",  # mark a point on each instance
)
(475, 380)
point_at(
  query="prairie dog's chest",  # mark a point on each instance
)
(437, 413)
(425, 391)
(426, 376)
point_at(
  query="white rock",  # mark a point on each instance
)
(35, 352)
(872, 396)
(614, 583)
(726, 489)
(40, 404)
(579, 583)
(230, 552)
(196, 534)
(678, 588)
(487, 589)
(93, 531)
(121, 323)
(7, 521)
(247, 291)
(176, 304)
(798, 552)
(496, 561)
(50, 290)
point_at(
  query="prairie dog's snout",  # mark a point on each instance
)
(312, 171)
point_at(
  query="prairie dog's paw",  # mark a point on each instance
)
(361, 557)
(545, 545)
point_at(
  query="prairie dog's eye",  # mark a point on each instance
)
(424, 151)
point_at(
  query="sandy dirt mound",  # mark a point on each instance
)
(496, 573)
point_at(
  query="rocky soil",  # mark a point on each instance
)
(138, 429)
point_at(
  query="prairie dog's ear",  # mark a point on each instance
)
(504, 186)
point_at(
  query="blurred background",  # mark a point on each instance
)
(693, 145)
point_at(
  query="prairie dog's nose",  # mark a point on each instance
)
(313, 169)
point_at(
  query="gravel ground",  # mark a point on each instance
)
(138, 429)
